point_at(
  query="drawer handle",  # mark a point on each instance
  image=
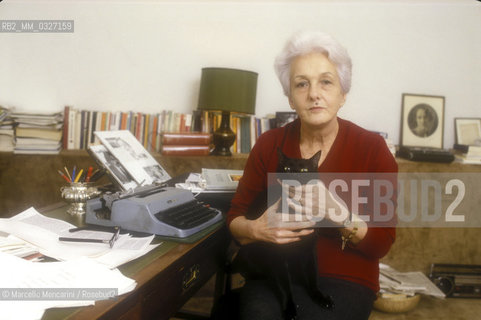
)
(191, 276)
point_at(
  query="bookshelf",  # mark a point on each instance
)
(79, 126)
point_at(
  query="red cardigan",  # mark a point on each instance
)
(354, 150)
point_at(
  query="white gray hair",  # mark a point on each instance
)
(307, 42)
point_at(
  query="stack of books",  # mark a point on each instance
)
(185, 143)
(6, 130)
(38, 133)
(471, 155)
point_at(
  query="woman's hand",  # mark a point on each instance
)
(270, 227)
(315, 202)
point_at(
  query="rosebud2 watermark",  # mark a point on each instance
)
(379, 199)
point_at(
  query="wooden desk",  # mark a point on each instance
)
(166, 278)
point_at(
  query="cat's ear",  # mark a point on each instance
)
(315, 158)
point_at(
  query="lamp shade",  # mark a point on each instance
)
(228, 90)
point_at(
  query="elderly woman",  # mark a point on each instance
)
(315, 73)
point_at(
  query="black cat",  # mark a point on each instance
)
(282, 265)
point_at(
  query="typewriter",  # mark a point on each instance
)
(159, 210)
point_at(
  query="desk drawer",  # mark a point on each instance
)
(171, 289)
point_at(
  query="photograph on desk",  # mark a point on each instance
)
(138, 162)
(116, 171)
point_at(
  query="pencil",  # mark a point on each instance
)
(68, 174)
(89, 174)
(64, 176)
(79, 175)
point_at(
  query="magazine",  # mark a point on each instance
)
(221, 179)
(137, 161)
(115, 169)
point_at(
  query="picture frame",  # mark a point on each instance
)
(467, 131)
(422, 121)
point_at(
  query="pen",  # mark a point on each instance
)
(79, 175)
(111, 241)
(97, 175)
(82, 240)
(68, 174)
(63, 176)
(89, 174)
(73, 173)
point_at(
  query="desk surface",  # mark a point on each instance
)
(166, 277)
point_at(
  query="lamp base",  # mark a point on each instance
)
(223, 137)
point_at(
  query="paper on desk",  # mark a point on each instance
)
(408, 283)
(43, 232)
(80, 274)
(192, 183)
(17, 247)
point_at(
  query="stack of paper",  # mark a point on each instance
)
(38, 133)
(6, 130)
(408, 283)
(473, 156)
(27, 289)
(44, 232)
(12, 245)
(221, 179)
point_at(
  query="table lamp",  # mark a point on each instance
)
(227, 90)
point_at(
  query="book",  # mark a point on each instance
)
(51, 134)
(6, 140)
(185, 150)
(472, 155)
(185, 138)
(221, 179)
(66, 115)
(124, 146)
(36, 146)
(27, 142)
(34, 119)
(35, 151)
(461, 147)
(114, 168)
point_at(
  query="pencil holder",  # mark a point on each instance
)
(77, 194)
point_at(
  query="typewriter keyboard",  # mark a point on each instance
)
(188, 215)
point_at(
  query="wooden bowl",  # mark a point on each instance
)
(396, 303)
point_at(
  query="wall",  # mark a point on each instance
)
(147, 55)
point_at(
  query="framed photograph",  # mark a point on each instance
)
(422, 121)
(468, 131)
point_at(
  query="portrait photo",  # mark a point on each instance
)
(422, 121)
